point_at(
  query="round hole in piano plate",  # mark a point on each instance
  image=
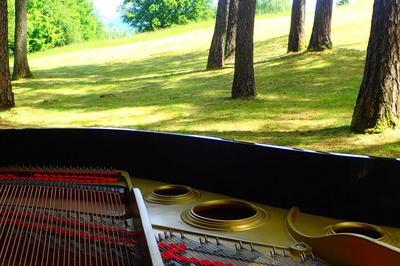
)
(225, 215)
(172, 191)
(363, 229)
(172, 194)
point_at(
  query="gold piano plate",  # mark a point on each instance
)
(172, 194)
(270, 230)
(225, 215)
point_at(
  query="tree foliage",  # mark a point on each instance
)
(273, 6)
(149, 15)
(53, 23)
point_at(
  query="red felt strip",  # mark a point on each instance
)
(60, 178)
(47, 219)
(70, 232)
(174, 252)
(62, 171)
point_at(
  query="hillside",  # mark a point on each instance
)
(157, 81)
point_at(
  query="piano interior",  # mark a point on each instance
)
(69, 216)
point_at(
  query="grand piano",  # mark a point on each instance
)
(192, 200)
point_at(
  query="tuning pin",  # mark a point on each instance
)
(166, 234)
(285, 253)
(182, 236)
(252, 247)
(160, 237)
(303, 257)
(236, 247)
(217, 240)
(273, 252)
(312, 256)
(241, 245)
(206, 239)
(171, 234)
(201, 241)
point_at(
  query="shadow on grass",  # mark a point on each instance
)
(302, 87)
(294, 78)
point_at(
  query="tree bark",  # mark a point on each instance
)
(231, 30)
(378, 103)
(321, 33)
(216, 55)
(6, 95)
(243, 81)
(296, 35)
(21, 66)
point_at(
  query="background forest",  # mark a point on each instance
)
(54, 23)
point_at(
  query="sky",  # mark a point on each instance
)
(108, 11)
(109, 14)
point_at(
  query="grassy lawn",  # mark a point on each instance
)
(157, 81)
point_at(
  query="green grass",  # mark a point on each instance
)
(157, 81)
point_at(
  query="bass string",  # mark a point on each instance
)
(86, 228)
(38, 233)
(52, 211)
(68, 254)
(25, 245)
(5, 194)
(82, 241)
(98, 259)
(116, 247)
(15, 250)
(35, 203)
(88, 253)
(62, 197)
(46, 210)
(36, 249)
(121, 206)
(113, 203)
(76, 252)
(103, 245)
(134, 248)
(104, 222)
(10, 221)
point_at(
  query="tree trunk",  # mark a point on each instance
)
(243, 81)
(378, 103)
(21, 66)
(296, 35)
(216, 55)
(231, 31)
(6, 95)
(321, 33)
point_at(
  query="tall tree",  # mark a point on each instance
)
(149, 15)
(243, 82)
(216, 54)
(232, 26)
(21, 66)
(6, 94)
(321, 33)
(378, 103)
(296, 35)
